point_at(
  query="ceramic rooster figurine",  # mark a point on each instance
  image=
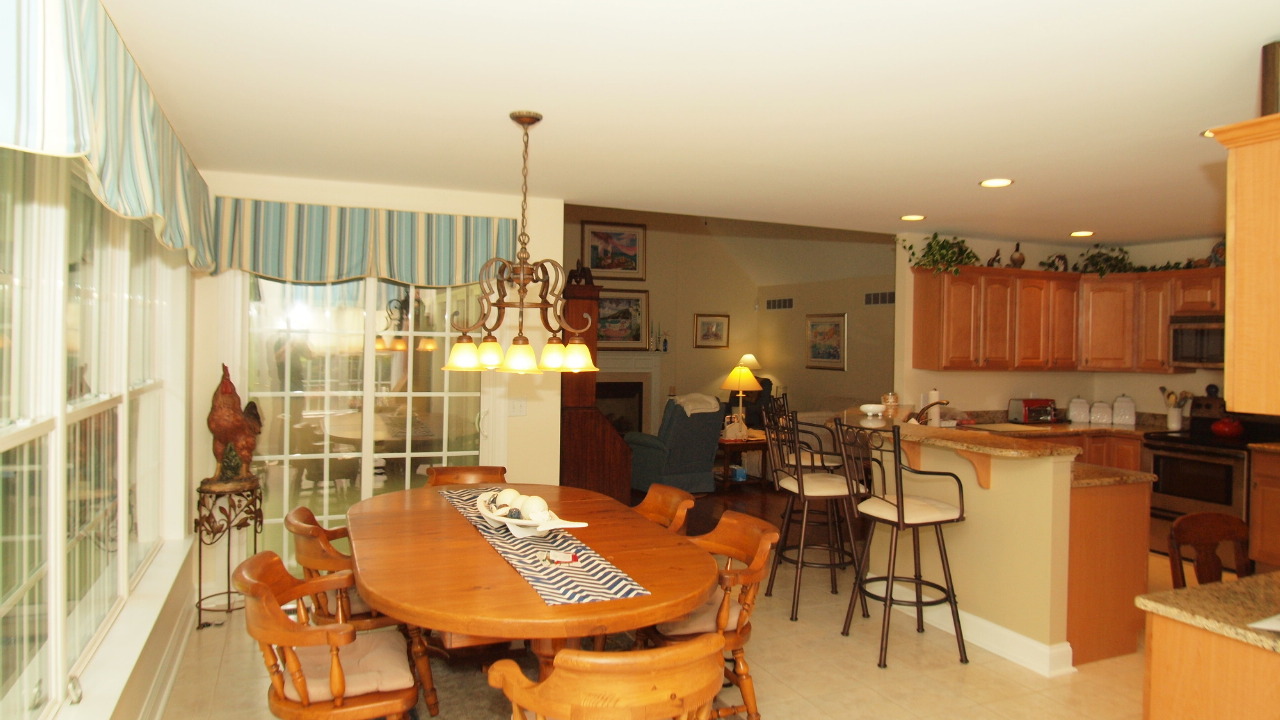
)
(234, 429)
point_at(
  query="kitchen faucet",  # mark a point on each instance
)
(921, 416)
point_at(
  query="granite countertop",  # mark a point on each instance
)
(1086, 475)
(1085, 429)
(1267, 447)
(1225, 608)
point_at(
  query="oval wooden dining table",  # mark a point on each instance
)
(418, 559)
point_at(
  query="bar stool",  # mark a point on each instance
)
(900, 511)
(804, 485)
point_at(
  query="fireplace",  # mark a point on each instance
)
(633, 380)
(623, 404)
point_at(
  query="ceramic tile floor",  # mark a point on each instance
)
(803, 669)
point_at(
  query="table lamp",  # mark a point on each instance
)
(741, 380)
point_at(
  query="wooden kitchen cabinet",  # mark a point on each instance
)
(1106, 323)
(1152, 293)
(996, 326)
(1200, 291)
(1264, 507)
(1252, 293)
(1045, 322)
(1099, 448)
(947, 320)
(1123, 452)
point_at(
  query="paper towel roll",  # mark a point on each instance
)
(935, 413)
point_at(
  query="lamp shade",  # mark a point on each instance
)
(463, 356)
(519, 358)
(552, 355)
(741, 380)
(749, 362)
(577, 357)
(489, 353)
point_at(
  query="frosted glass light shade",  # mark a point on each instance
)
(520, 358)
(552, 355)
(489, 353)
(463, 356)
(577, 357)
(749, 362)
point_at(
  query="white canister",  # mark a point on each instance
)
(1123, 411)
(1175, 419)
(1100, 413)
(1078, 410)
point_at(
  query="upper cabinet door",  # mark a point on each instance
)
(1106, 323)
(997, 313)
(1152, 323)
(1032, 324)
(1199, 292)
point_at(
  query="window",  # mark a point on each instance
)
(348, 382)
(79, 288)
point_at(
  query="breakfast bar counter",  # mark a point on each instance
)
(1051, 552)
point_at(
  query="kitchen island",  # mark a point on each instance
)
(1202, 658)
(1051, 552)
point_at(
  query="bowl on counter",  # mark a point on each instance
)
(872, 409)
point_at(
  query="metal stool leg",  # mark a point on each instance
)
(888, 597)
(951, 594)
(858, 582)
(915, 544)
(795, 592)
(777, 550)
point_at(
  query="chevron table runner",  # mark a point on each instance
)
(590, 578)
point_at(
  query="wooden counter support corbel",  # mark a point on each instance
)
(981, 461)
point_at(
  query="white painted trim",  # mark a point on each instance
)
(1047, 660)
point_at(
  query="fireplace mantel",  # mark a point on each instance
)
(639, 366)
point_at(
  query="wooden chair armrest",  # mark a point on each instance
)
(340, 580)
(507, 674)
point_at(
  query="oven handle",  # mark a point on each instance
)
(1203, 455)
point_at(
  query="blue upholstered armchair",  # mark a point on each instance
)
(682, 454)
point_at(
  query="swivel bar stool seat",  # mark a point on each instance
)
(892, 506)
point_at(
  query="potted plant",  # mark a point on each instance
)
(942, 255)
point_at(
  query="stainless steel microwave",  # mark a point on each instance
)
(1197, 341)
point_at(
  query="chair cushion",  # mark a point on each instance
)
(915, 510)
(376, 662)
(816, 484)
(702, 619)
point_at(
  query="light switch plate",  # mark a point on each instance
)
(517, 407)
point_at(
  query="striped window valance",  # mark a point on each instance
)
(73, 90)
(324, 244)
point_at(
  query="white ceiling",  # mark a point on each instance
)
(842, 114)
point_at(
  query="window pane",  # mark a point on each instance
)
(142, 299)
(91, 549)
(13, 194)
(146, 428)
(23, 581)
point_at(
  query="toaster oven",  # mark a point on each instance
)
(1032, 410)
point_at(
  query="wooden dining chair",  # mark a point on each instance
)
(1204, 532)
(667, 506)
(315, 552)
(742, 542)
(321, 671)
(677, 681)
(465, 474)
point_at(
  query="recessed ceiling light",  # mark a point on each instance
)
(996, 182)
(912, 218)
(1082, 233)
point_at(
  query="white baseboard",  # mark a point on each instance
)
(1048, 660)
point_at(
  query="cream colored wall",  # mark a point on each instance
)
(869, 341)
(992, 390)
(528, 445)
(698, 266)
(688, 272)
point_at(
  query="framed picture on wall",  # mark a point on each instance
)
(624, 320)
(614, 251)
(825, 341)
(711, 331)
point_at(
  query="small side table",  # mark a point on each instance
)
(733, 449)
(222, 507)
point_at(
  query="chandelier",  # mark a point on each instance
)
(500, 279)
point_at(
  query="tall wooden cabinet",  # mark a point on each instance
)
(1252, 294)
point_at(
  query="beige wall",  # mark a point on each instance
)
(706, 266)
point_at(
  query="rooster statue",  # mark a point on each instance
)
(235, 433)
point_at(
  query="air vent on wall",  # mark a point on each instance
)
(778, 304)
(880, 298)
